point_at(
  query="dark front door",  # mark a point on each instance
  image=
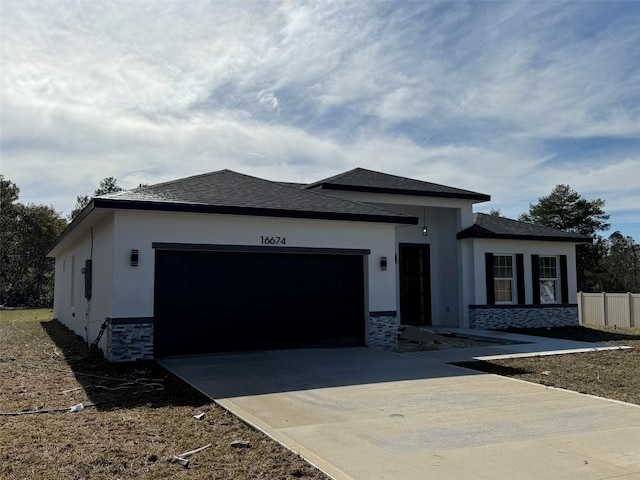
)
(415, 284)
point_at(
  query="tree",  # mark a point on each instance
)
(567, 210)
(26, 234)
(8, 212)
(622, 264)
(496, 212)
(107, 185)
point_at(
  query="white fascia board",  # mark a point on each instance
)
(74, 232)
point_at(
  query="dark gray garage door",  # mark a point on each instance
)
(231, 301)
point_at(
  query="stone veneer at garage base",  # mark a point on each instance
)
(496, 317)
(383, 330)
(130, 339)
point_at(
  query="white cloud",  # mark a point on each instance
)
(459, 93)
(269, 100)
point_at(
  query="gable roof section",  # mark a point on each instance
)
(493, 226)
(363, 180)
(228, 192)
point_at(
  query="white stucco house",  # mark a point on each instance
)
(229, 262)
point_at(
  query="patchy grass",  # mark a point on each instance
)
(612, 374)
(142, 416)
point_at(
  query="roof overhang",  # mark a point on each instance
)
(89, 217)
(100, 208)
(541, 238)
(250, 211)
(478, 197)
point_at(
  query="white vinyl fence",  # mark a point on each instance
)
(619, 309)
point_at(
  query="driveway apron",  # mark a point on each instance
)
(361, 413)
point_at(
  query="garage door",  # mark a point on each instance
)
(232, 301)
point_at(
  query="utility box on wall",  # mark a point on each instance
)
(87, 278)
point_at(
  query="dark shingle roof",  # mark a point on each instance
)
(362, 180)
(293, 184)
(493, 226)
(235, 193)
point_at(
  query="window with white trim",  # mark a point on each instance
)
(503, 279)
(549, 284)
(73, 280)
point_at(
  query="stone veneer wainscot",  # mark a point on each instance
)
(496, 317)
(383, 330)
(129, 339)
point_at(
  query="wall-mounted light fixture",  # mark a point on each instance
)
(134, 258)
(383, 263)
(424, 222)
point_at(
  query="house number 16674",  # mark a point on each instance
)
(273, 240)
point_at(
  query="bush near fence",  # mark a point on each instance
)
(613, 309)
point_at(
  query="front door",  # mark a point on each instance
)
(415, 284)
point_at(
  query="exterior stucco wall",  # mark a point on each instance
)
(445, 269)
(467, 282)
(451, 267)
(527, 248)
(69, 305)
(85, 316)
(134, 290)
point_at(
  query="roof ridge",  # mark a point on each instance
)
(182, 179)
(419, 180)
(316, 192)
(365, 204)
(334, 177)
(363, 179)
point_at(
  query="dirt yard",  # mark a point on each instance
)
(136, 417)
(415, 339)
(611, 374)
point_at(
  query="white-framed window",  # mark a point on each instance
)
(503, 278)
(73, 281)
(549, 279)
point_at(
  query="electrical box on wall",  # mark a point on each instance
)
(135, 256)
(87, 278)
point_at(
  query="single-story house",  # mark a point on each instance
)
(229, 262)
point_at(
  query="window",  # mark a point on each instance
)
(73, 280)
(503, 278)
(548, 280)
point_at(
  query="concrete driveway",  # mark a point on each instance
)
(361, 413)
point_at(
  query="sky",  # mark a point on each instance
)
(503, 98)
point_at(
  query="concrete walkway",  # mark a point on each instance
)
(521, 346)
(360, 413)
